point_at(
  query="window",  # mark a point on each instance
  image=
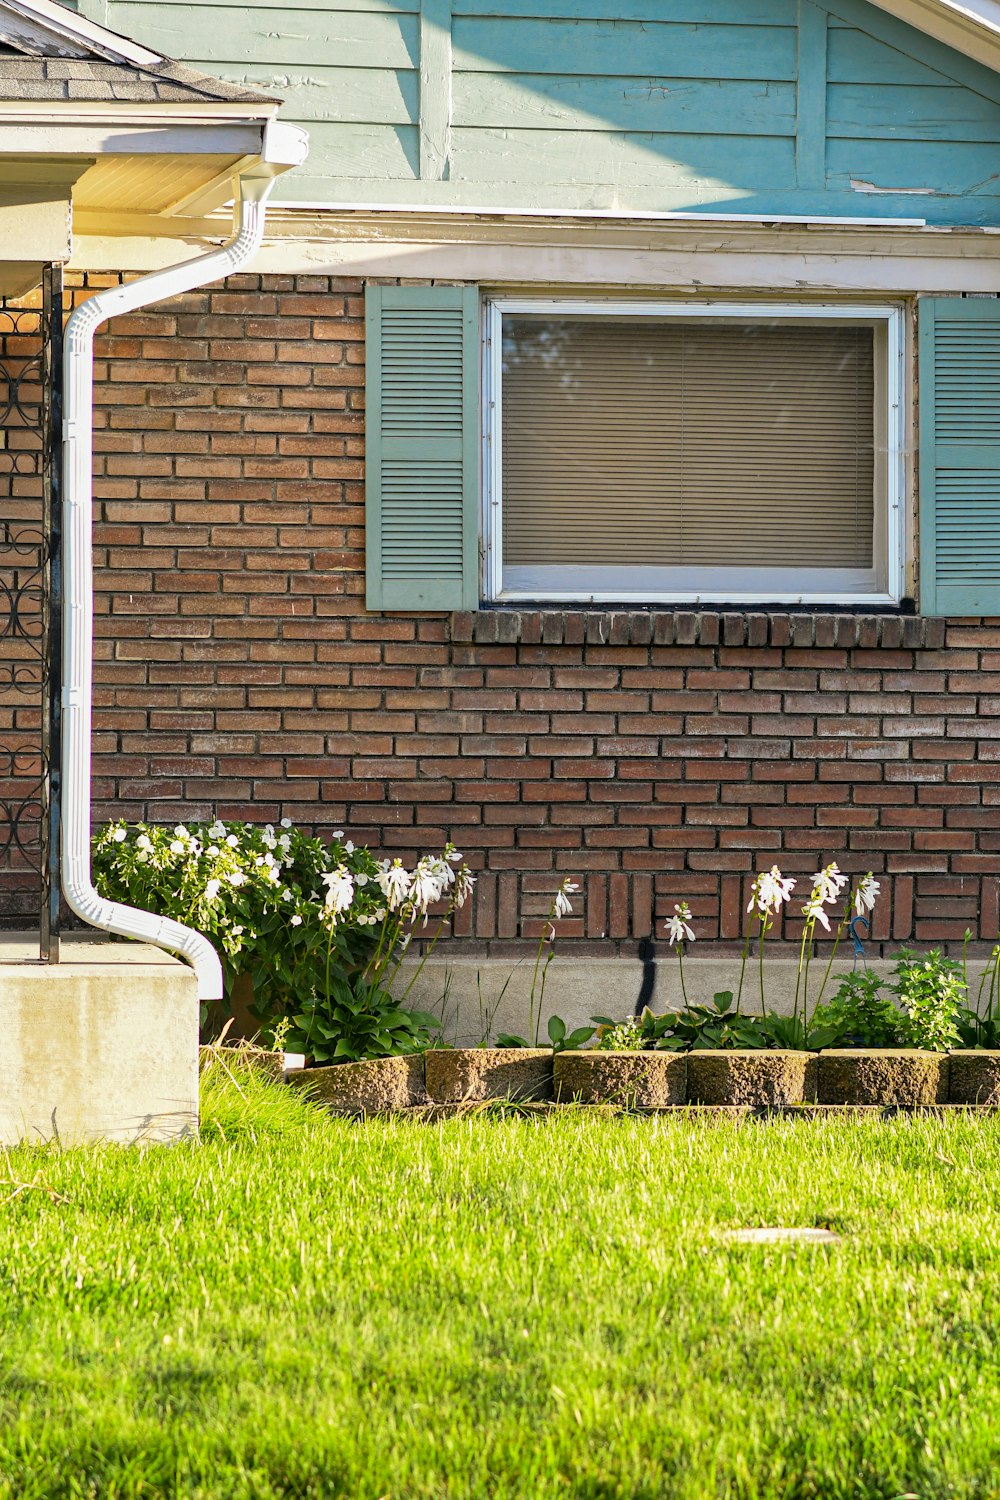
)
(669, 452)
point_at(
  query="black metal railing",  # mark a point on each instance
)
(31, 609)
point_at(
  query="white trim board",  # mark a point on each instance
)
(53, 30)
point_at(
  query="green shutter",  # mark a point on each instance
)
(422, 445)
(959, 374)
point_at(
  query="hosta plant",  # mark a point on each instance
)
(718, 1025)
(308, 921)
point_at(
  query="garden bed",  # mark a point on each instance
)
(858, 1078)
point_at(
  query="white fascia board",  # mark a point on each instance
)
(75, 30)
(971, 27)
(86, 111)
(234, 138)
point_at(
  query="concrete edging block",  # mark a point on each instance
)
(468, 1075)
(882, 1076)
(757, 1079)
(973, 1077)
(636, 1080)
(379, 1086)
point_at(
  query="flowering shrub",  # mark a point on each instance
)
(319, 927)
(930, 992)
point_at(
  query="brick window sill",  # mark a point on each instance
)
(576, 627)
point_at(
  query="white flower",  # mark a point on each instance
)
(180, 831)
(394, 883)
(866, 894)
(296, 921)
(286, 822)
(339, 890)
(361, 881)
(236, 877)
(212, 888)
(217, 830)
(813, 911)
(121, 834)
(142, 857)
(770, 892)
(144, 841)
(233, 841)
(236, 931)
(677, 926)
(176, 847)
(426, 886)
(561, 905)
(464, 881)
(828, 884)
(212, 851)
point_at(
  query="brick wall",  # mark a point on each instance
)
(653, 756)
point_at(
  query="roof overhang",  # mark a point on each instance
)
(969, 26)
(97, 130)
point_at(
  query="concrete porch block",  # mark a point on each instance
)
(102, 1046)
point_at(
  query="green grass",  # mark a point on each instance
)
(502, 1307)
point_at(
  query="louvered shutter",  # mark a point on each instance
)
(959, 375)
(422, 464)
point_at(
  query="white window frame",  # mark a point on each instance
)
(575, 583)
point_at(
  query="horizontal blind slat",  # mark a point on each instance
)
(665, 443)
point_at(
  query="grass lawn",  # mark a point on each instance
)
(502, 1307)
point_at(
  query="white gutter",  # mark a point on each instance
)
(284, 146)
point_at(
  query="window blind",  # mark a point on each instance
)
(668, 443)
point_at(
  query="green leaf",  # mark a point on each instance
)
(556, 1029)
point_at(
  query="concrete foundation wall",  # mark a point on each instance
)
(100, 1047)
(479, 998)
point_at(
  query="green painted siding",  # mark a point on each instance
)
(745, 106)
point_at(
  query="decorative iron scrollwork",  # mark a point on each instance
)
(30, 609)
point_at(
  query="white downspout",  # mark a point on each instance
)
(78, 622)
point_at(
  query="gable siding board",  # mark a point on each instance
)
(665, 105)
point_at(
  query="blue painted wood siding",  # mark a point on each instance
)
(746, 106)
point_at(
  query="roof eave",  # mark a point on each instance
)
(971, 27)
